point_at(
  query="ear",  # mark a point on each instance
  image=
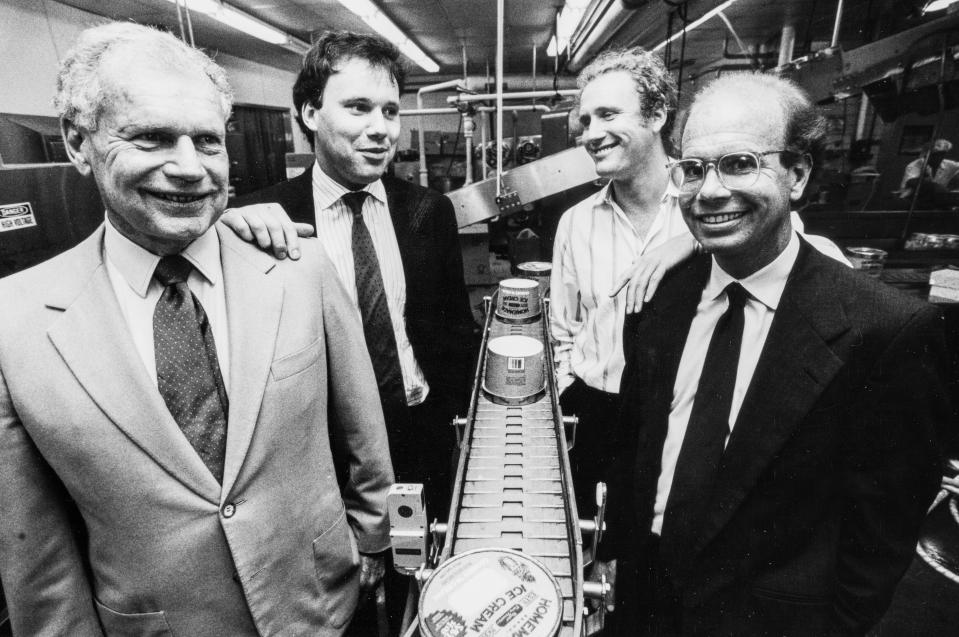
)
(73, 139)
(656, 120)
(308, 113)
(800, 171)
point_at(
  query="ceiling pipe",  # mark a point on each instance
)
(519, 95)
(787, 44)
(836, 25)
(409, 112)
(189, 23)
(500, 23)
(513, 81)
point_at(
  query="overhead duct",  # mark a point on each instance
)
(902, 73)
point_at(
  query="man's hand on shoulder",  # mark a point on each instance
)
(268, 225)
(642, 278)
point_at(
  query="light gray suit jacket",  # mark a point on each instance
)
(110, 524)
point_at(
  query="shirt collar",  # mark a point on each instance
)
(328, 191)
(136, 264)
(766, 284)
(604, 198)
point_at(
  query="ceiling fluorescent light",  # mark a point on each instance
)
(706, 16)
(243, 22)
(207, 7)
(248, 24)
(566, 24)
(936, 5)
(381, 23)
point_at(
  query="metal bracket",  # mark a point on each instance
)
(600, 519)
(508, 200)
(438, 535)
(595, 622)
(459, 425)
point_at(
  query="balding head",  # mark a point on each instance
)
(81, 93)
(784, 104)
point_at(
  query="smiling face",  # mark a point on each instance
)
(745, 229)
(357, 123)
(615, 133)
(158, 154)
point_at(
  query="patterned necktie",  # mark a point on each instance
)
(371, 297)
(188, 372)
(708, 427)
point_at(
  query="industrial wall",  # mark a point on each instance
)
(34, 34)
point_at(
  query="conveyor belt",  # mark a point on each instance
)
(513, 487)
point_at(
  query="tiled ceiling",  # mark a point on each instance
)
(445, 28)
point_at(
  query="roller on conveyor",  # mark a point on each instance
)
(509, 561)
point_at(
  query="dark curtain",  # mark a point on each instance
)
(257, 142)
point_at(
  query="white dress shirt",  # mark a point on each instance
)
(334, 228)
(130, 269)
(765, 288)
(596, 243)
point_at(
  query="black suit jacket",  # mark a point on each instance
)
(829, 468)
(439, 321)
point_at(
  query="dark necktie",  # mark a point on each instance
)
(188, 372)
(706, 432)
(371, 298)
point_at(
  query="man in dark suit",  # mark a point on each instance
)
(347, 99)
(347, 102)
(781, 408)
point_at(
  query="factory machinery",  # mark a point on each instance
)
(510, 558)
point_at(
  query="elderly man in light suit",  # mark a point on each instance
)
(172, 400)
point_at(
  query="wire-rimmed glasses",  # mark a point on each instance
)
(736, 171)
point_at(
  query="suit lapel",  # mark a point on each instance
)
(796, 365)
(253, 303)
(95, 343)
(401, 209)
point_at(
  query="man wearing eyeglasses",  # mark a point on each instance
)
(631, 232)
(780, 408)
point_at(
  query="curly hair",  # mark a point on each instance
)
(654, 83)
(326, 54)
(805, 128)
(80, 95)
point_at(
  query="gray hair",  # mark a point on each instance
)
(805, 130)
(80, 95)
(654, 83)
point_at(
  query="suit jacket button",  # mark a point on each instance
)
(229, 510)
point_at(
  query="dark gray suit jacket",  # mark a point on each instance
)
(830, 466)
(439, 321)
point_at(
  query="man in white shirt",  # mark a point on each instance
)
(780, 409)
(631, 229)
(168, 393)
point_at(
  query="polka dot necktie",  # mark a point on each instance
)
(705, 440)
(371, 298)
(188, 373)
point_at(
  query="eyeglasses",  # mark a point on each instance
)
(736, 171)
